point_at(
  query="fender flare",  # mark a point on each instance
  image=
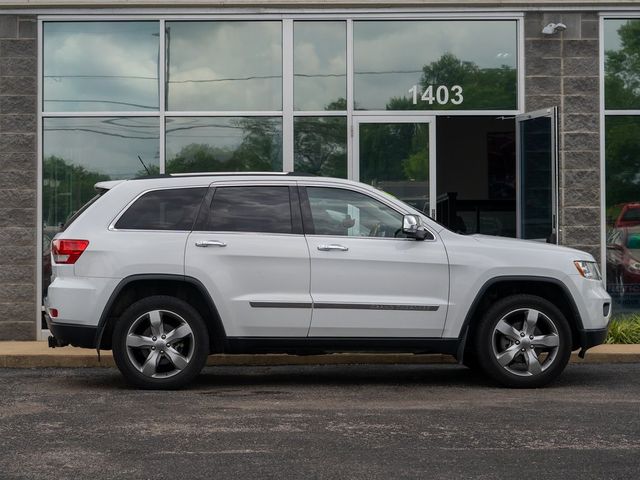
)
(464, 330)
(102, 323)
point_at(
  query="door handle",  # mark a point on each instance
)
(210, 243)
(333, 246)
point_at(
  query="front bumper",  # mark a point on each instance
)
(591, 338)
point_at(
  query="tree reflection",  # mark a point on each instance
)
(320, 146)
(65, 188)
(483, 88)
(622, 69)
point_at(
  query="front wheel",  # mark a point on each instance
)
(523, 341)
(160, 342)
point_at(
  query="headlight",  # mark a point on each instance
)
(588, 269)
(634, 267)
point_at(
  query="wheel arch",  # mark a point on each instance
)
(551, 289)
(136, 287)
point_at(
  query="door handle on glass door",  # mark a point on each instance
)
(326, 248)
(210, 243)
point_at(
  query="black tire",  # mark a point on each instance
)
(550, 327)
(193, 348)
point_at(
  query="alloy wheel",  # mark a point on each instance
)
(160, 344)
(525, 342)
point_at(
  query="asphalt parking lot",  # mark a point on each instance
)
(361, 422)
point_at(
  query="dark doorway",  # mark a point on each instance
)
(476, 174)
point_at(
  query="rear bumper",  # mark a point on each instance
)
(76, 335)
(591, 338)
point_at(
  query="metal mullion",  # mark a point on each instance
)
(603, 169)
(320, 113)
(137, 113)
(219, 113)
(288, 163)
(162, 71)
(618, 112)
(41, 333)
(520, 85)
(430, 113)
(351, 136)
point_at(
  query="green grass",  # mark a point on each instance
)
(624, 329)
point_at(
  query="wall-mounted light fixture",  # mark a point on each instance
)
(554, 28)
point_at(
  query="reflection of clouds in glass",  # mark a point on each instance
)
(104, 145)
(611, 37)
(224, 65)
(389, 55)
(319, 64)
(100, 66)
(224, 133)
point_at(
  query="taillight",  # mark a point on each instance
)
(68, 251)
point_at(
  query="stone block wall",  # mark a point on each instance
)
(562, 70)
(18, 177)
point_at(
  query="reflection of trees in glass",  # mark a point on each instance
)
(65, 188)
(623, 161)
(622, 69)
(394, 151)
(483, 88)
(320, 146)
(260, 150)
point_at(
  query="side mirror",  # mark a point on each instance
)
(411, 227)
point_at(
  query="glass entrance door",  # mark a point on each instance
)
(397, 154)
(537, 175)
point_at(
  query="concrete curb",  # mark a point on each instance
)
(38, 355)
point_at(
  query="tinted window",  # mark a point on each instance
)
(344, 212)
(251, 209)
(172, 209)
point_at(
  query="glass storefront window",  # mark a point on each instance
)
(394, 157)
(320, 65)
(100, 66)
(435, 65)
(621, 63)
(622, 157)
(320, 146)
(223, 144)
(78, 153)
(224, 66)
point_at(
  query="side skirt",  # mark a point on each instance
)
(319, 345)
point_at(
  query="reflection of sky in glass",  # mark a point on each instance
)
(100, 66)
(320, 64)
(611, 37)
(108, 146)
(224, 66)
(389, 55)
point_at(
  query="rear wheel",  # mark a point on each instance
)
(160, 342)
(523, 341)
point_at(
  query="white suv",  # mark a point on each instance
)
(166, 270)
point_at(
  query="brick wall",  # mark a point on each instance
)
(562, 70)
(18, 177)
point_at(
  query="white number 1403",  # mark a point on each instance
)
(443, 95)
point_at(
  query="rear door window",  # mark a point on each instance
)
(168, 209)
(260, 209)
